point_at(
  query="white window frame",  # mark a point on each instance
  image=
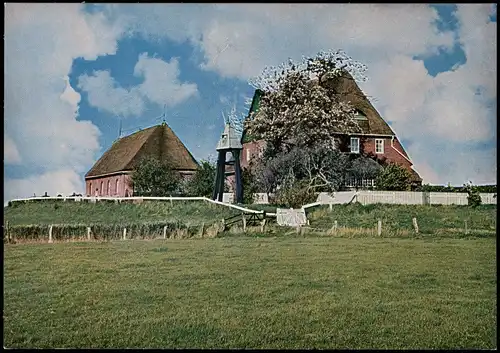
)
(381, 144)
(249, 156)
(357, 144)
(359, 115)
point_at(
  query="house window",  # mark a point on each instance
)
(359, 115)
(90, 189)
(109, 188)
(354, 144)
(102, 188)
(249, 156)
(379, 146)
(116, 186)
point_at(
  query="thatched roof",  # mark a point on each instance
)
(349, 90)
(158, 141)
(346, 87)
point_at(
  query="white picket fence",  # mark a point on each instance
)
(366, 197)
(144, 198)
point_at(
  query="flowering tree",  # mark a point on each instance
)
(299, 106)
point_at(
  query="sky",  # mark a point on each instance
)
(73, 72)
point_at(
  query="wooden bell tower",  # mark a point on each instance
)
(229, 142)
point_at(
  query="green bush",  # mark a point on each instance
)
(249, 185)
(449, 188)
(295, 195)
(393, 178)
(473, 196)
(203, 181)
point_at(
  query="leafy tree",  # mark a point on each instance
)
(295, 194)
(319, 168)
(154, 178)
(202, 182)
(249, 185)
(473, 196)
(393, 177)
(300, 106)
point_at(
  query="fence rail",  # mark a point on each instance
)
(143, 198)
(363, 196)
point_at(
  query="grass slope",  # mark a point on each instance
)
(60, 212)
(252, 293)
(432, 219)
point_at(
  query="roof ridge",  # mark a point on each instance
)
(152, 129)
(178, 141)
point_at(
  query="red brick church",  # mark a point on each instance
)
(376, 138)
(110, 175)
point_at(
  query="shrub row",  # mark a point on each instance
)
(441, 188)
(65, 232)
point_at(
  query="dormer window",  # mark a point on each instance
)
(359, 115)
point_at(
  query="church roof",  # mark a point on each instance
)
(158, 141)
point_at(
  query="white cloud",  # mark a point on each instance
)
(63, 182)
(161, 85)
(240, 39)
(41, 42)
(105, 94)
(441, 115)
(161, 81)
(11, 154)
(70, 95)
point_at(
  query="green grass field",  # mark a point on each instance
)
(432, 220)
(60, 212)
(242, 292)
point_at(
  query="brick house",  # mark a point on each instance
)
(110, 175)
(376, 138)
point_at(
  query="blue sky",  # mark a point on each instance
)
(73, 73)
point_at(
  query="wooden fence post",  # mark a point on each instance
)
(202, 230)
(171, 202)
(379, 227)
(7, 235)
(50, 234)
(335, 226)
(164, 232)
(124, 233)
(244, 222)
(330, 207)
(415, 224)
(88, 233)
(262, 225)
(223, 225)
(466, 229)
